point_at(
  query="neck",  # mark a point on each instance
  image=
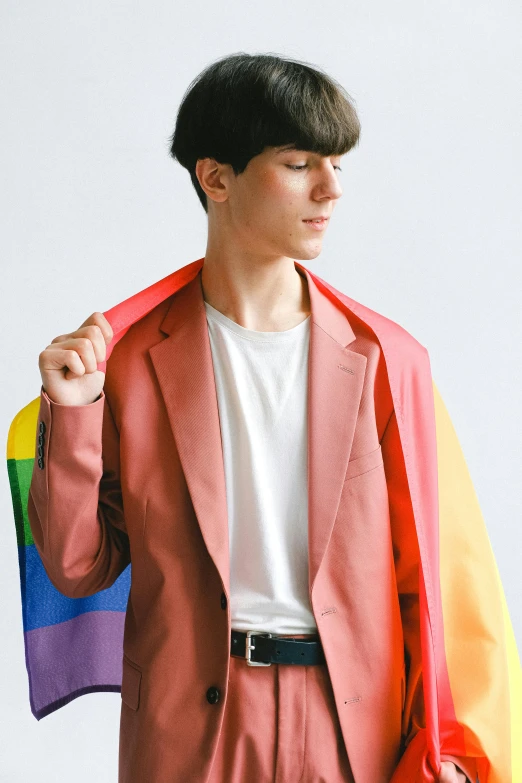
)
(267, 296)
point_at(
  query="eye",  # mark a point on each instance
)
(301, 167)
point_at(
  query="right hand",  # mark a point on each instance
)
(68, 364)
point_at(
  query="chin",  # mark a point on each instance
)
(307, 253)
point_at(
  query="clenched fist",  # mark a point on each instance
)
(68, 364)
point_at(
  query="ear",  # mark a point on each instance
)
(213, 178)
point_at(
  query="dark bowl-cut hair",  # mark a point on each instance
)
(242, 103)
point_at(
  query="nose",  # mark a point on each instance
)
(329, 186)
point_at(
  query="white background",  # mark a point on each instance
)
(427, 231)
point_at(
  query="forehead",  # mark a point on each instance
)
(287, 148)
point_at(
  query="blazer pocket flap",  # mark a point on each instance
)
(130, 684)
(364, 463)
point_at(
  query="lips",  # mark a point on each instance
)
(318, 224)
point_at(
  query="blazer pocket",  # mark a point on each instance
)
(130, 684)
(364, 463)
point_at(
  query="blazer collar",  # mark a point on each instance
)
(324, 313)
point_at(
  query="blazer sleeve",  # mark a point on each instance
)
(75, 506)
(407, 565)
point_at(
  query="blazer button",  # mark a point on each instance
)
(41, 439)
(213, 695)
(42, 426)
(223, 601)
(40, 462)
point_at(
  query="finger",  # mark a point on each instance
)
(62, 359)
(61, 338)
(79, 341)
(85, 349)
(95, 335)
(82, 346)
(98, 319)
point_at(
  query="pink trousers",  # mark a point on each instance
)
(280, 726)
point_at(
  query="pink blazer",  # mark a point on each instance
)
(138, 476)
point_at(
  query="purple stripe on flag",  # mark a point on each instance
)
(68, 659)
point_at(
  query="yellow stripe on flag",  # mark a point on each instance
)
(481, 653)
(21, 439)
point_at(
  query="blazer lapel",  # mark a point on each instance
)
(183, 365)
(335, 382)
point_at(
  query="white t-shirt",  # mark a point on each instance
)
(262, 391)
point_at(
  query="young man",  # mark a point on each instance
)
(242, 452)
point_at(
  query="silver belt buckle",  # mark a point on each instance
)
(249, 647)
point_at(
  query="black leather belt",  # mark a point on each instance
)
(261, 648)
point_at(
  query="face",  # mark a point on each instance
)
(267, 206)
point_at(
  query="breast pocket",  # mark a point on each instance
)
(130, 683)
(364, 463)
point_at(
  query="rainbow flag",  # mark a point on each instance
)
(471, 671)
